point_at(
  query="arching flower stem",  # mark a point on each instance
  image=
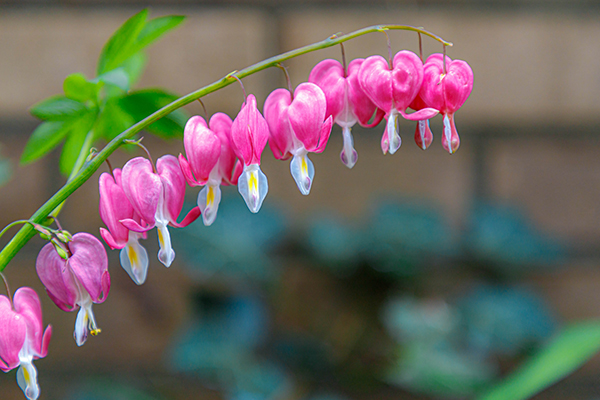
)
(92, 164)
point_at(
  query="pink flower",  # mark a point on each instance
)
(347, 103)
(298, 127)
(79, 280)
(447, 92)
(249, 135)
(157, 198)
(22, 338)
(212, 161)
(114, 207)
(393, 90)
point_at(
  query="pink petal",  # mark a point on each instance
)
(220, 124)
(142, 187)
(13, 333)
(451, 133)
(361, 105)
(27, 304)
(280, 132)
(56, 277)
(110, 241)
(89, 263)
(114, 206)
(423, 134)
(307, 113)
(186, 169)
(329, 76)
(407, 78)
(202, 147)
(188, 219)
(422, 114)
(447, 92)
(324, 135)
(375, 79)
(237, 171)
(135, 226)
(458, 84)
(173, 183)
(249, 133)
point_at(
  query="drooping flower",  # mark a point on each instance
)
(347, 103)
(23, 338)
(157, 198)
(114, 207)
(393, 89)
(210, 162)
(249, 135)
(77, 281)
(446, 92)
(298, 126)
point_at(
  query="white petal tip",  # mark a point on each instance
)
(253, 186)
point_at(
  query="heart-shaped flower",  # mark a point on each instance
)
(347, 103)
(393, 88)
(447, 92)
(298, 126)
(77, 281)
(249, 135)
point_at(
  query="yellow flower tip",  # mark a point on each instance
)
(95, 332)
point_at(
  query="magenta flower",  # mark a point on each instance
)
(157, 198)
(249, 134)
(298, 127)
(212, 161)
(447, 92)
(115, 207)
(23, 338)
(347, 103)
(79, 280)
(393, 90)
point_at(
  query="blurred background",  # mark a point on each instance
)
(414, 276)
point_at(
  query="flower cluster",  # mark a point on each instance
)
(223, 151)
(143, 195)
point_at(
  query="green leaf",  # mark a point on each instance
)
(156, 28)
(134, 67)
(117, 77)
(70, 151)
(112, 121)
(74, 142)
(567, 352)
(119, 46)
(43, 140)
(77, 87)
(57, 108)
(142, 103)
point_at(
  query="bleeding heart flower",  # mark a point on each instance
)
(157, 197)
(77, 281)
(347, 103)
(298, 127)
(249, 135)
(212, 161)
(114, 207)
(447, 92)
(23, 338)
(393, 89)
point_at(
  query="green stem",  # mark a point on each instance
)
(90, 166)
